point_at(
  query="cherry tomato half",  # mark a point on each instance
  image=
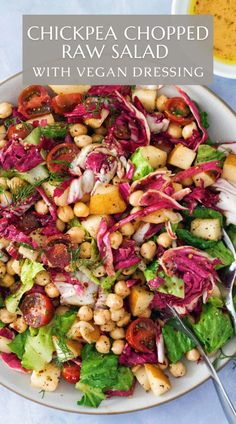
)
(71, 372)
(61, 156)
(64, 103)
(34, 101)
(37, 310)
(178, 111)
(56, 250)
(141, 335)
(18, 131)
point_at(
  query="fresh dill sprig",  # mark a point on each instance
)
(22, 192)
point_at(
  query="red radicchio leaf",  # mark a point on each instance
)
(201, 195)
(154, 197)
(104, 247)
(202, 167)
(13, 362)
(20, 157)
(130, 358)
(125, 256)
(8, 334)
(10, 232)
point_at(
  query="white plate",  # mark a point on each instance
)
(181, 7)
(223, 127)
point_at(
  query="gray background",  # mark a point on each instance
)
(197, 407)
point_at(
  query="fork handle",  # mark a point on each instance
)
(225, 402)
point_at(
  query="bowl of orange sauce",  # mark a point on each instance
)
(224, 18)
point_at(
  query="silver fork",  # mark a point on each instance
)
(226, 403)
(227, 276)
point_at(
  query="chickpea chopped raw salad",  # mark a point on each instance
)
(113, 200)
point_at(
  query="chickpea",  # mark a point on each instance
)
(116, 180)
(4, 242)
(76, 234)
(164, 240)
(62, 199)
(15, 183)
(148, 250)
(5, 110)
(85, 313)
(114, 301)
(164, 365)
(101, 316)
(116, 239)
(118, 347)
(146, 314)
(174, 131)
(3, 183)
(125, 320)
(193, 355)
(16, 266)
(85, 250)
(101, 130)
(117, 333)
(61, 310)
(10, 270)
(109, 326)
(103, 344)
(121, 288)
(127, 229)
(81, 210)
(78, 129)
(117, 314)
(7, 280)
(51, 290)
(128, 271)
(135, 197)
(178, 369)
(7, 317)
(161, 102)
(41, 207)
(19, 325)
(83, 140)
(65, 213)
(42, 278)
(5, 198)
(99, 271)
(3, 269)
(60, 225)
(97, 138)
(188, 130)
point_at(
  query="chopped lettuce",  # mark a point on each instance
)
(204, 118)
(62, 323)
(29, 271)
(193, 240)
(38, 349)
(221, 252)
(142, 166)
(207, 153)
(100, 373)
(33, 137)
(176, 342)
(204, 213)
(55, 130)
(17, 345)
(151, 271)
(173, 285)
(214, 328)
(108, 282)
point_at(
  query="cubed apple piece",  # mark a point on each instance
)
(181, 157)
(162, 215)
(146, 97)
(96, 123)
(177, 187)
(106, 200)
(156, 157)
(139, 300)
(229, 168)
(69, 89)
(91, 224)
(208, 229)
(158, 381)
(141, 375)
(204, 179)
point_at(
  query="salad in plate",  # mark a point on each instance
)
(112, 204)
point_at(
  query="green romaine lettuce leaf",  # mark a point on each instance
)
(125, 379)
(176, 342)
(151, 271)
(193, 240)
(29, 271)
(213, 329)
(220, 251)
(207, 153)
(92, 396)
(202, 212)
(17, 345)
(142, 166)
(173, 285)
(38, 349)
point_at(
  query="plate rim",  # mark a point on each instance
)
(233, 112)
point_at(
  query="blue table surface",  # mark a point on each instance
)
(197, 407)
